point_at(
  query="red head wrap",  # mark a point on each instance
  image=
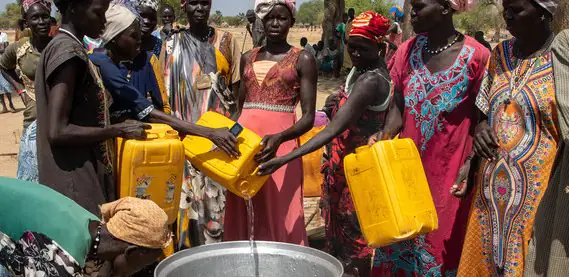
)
(370, 25)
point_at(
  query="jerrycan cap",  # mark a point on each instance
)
(245, 189)
(171, 134)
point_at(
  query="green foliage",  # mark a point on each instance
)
(235, 21)
(483, 17)
(311, 13)
(379, 6)
(10, 16)
(180, 15)
(216, 18)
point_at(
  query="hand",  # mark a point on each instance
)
(485, 141)
(132, 129)
(460, 187)
(225, 140)
(270, 167)
(376, 137)
(271, 144)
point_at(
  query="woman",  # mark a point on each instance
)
(75, 242)
(275, 78)
(148, 10)
(517, 140)
(138, 68)
(202, 74)
(136, 87)
(19, 64)
(74, 138)
(359, 113)
(438, 73)
(168, 16)
(546, 251)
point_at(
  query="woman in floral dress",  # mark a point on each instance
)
(438, 73)
(517, 139)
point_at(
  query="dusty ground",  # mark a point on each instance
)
(11, 123)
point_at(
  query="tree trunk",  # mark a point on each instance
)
(561, 20)
(406, 26)
(334, 10)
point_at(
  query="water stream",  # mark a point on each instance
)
(251, 218)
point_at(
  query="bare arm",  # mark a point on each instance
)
(365, 91)
(62, 132)
(308, 83)
(242, 93)
(308, 80)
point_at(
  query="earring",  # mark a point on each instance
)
(543, 17)
(445, 11)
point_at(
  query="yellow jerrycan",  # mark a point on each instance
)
(311, 166)
(390, 192)
(238, 175)
(152, 168)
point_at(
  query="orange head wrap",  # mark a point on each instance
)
(370, 25)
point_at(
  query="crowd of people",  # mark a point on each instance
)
(490, 126)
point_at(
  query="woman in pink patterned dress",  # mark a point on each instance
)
(274, 79)
(438, 73)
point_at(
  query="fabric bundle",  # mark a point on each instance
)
(26, 4)
(370, 25)
(264, 7)
(137, 221)
(119, 18)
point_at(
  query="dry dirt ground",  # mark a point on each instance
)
(11, 123)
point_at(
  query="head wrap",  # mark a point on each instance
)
(119, 18)
(462, 5)
(264, 7)
(370, 25)
(153, 4)
(137, 221)
(26, 4)
(129, 4)
(548, 5)
(397, 12)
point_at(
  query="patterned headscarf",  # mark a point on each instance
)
(370, 25)
(548, 5)
(137, 221)
(153, 4)
(462, 5)
(26, 4)
(264, 7)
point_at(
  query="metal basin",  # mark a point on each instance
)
(234, 259)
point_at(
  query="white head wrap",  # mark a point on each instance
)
(119, 18)
(264, 7)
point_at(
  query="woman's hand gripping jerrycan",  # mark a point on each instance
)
(390, 192)
(238, 175)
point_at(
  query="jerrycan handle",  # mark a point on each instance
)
(151, 136)
(362, 149)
